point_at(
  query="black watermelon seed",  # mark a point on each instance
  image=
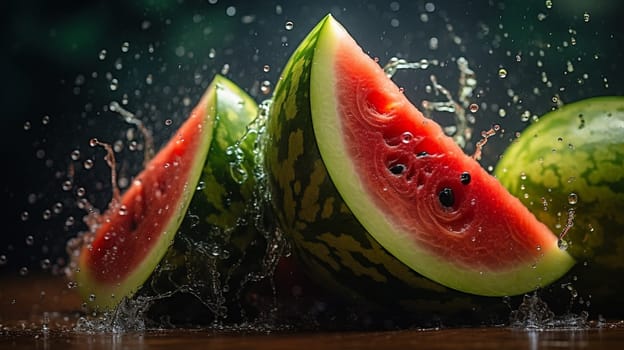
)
(464, 178)
(397, 169)
(446, 197)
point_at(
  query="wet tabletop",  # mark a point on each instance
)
(40, 313)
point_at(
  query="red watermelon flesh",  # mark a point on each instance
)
(132, 236)
(414, 190)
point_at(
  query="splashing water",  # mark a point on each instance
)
(130, 118)
(485, 135)
(217, 267)
(460, 131)
(534, 314)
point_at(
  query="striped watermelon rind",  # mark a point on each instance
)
(220, 247)
(576, 150)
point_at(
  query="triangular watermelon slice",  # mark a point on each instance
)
(133, 236)
(409, 186)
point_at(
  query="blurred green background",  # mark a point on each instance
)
(63, 62)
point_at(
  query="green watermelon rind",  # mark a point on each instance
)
(579, 149)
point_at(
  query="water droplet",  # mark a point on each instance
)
(523, 176)
(80, 192)
(72, 284)
(67, 185)
(266, 68)
(91, 297)
(23, 271)
(407, 137)
(45, 120)
(572, 198)
(114, 84)
(30, 240)
(75, 154)
(168, 122)
(265, 87)
(123, 210)
(473, 107)
(201, 186)
(102, 54)
(538, 248)
(93, 142)
(289, 25)
(586, 17)
(24, 215)
(3, 259)
(562, 244)
(125, 46)
(70, 221)
(88, 164)
(502, 73)
(225, 69)
(230, 11)
(27, 125)
(549, 4)
(45, 264)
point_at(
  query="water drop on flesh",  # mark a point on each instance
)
(502, 73)
(289, 25)
(406, 137)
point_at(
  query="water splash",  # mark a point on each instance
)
(485, 135)
(130, 118)
(218, 267)
(534, 314)
(461, 130)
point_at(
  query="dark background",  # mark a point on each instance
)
(56, 88)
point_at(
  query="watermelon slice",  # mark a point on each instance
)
(410, 187)
(133, 236)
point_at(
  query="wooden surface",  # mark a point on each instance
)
(40, 313)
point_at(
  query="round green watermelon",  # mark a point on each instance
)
(380, 205)
(568, 169)
(198, 185)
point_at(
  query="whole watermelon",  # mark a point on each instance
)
(568, 169)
